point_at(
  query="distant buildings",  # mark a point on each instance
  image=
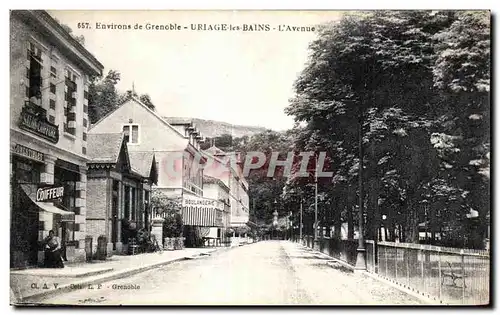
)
(49, 77)
(227, 168)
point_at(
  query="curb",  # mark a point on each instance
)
(81, 275)
(33, 298)
(421, 297)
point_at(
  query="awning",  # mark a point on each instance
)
(30, 191)
(200, 211)
(202, 216)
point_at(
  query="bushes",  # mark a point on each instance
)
(129, 230)
(193, 238)
(172, 226)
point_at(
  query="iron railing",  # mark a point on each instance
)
(450, 275)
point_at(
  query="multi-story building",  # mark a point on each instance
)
(49, 77)
(215, 189)
(176, 149)
(227, 168)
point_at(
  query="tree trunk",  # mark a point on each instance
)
(411, 228)
(337, 218)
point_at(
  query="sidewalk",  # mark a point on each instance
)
(30, 285)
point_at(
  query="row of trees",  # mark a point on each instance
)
(407, 94)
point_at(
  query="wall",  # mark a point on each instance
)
(97, 203)
(154, 135)
(70, 148)
(19, 39)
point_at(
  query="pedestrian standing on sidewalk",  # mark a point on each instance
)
(52, 249)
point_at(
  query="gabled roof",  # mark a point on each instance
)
(212, 180)
(142, 162)
(137, 101)
(104, 147)
(215, 151)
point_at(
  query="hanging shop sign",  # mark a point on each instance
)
(198, 202)
(34, 120)
(49, 193)
(28, 153)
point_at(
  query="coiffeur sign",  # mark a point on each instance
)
(49, 193)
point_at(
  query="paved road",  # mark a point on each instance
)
(265, 273)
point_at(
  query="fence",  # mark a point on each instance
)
(344, 250)
(451, 275)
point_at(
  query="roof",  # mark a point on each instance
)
(104, 147)
(137, 101)
(141, 162)
(178, 120)
(215, 151)
(44, 22)
(212, 180)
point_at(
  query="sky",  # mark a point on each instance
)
(238, 77)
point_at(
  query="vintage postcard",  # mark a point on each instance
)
(250, 157)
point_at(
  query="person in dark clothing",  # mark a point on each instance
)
(52, 249)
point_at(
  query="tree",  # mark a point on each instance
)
(80, 39)
(146, 100)
(163, 205)
(103, 95)
(387, 73)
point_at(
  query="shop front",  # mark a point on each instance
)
(35, 207)
(118, 191)
(205, 217)
(45, 191)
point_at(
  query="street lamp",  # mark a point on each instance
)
(301, 225)
(316, 203)
(275, 217)
(360, 259)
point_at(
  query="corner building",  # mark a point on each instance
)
(49, 72)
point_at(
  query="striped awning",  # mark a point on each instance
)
(202, 216)
(200, 211)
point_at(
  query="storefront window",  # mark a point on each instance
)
(26, 171)
(68, 180)
(126, 213)
(133, 201)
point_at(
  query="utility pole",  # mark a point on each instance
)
(360, 260)
(316, 203)
(300, 228)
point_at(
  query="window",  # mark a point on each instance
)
(71, 88)
(52, 88)
(53, 66)
(68, 180)
(126, 208)
(35, 74)
(53, 72)
(133, 202)
(131, 133)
